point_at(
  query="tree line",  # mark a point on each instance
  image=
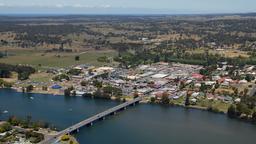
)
(23, 71)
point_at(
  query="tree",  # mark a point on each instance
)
(203, 87)
(254, 117)
(74, 93)
(77, 58)
(235, 91)
(23, 76)
(249, 77)
(13, 121)
(157, 59)
(67, 92)
(44, 88)
(84, 83)
(232, 111)
(5, 74)
(165, 99)
(60, 77)
(187, 102)
(110, 91)
(152, 99)
(74, 72)
(243, 109)
(5, 127)
(182, 85)
(245, 92)
(29, 88)
(97, 84)
(5, 84)
(204, 72)
(135, 94)
(90, 72)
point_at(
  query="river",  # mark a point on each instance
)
(143, 124)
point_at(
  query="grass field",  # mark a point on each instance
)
(36, 58)
(227, 53)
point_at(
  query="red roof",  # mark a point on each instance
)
(197, 76)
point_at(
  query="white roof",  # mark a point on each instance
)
(146, 74)
(105, 69)
(210, 82)
(119, 81)
(243, 81)
(143, 67)
(159, 75)
(195, 94)
(238, 100)
(193, 100)
(131, 77)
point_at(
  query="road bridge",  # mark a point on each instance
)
(90, 120)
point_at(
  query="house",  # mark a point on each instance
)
(197, 76)
(195, 94)
(243, 82)
(210, 83)
(159, 76)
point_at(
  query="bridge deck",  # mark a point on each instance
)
(89, 121)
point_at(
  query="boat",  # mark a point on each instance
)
(5, 111)
(80, 93)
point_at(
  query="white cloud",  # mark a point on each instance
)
(78, 5)
(2, 4)
(59, 5)
(106, 6)
(82, 6)
(89, 6)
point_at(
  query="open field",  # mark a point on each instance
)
(231, 53)
(37, 58)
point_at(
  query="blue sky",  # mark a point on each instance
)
(127, 6)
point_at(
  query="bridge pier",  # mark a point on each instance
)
(89, 124)
(103, 118)
(114, 113)
(77, 130)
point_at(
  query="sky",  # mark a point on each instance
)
(127, 6)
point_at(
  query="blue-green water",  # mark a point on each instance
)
(143, 124)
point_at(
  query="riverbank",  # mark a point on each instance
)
(10, 133)
(17, 134)
(40, 91)
(127, 98)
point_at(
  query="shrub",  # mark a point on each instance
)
(5, 127)
(65, 138)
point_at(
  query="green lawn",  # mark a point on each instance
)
(221, 106)
(52, 60)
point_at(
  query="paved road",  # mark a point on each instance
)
(88, 121)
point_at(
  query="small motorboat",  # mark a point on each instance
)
(5, 111)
